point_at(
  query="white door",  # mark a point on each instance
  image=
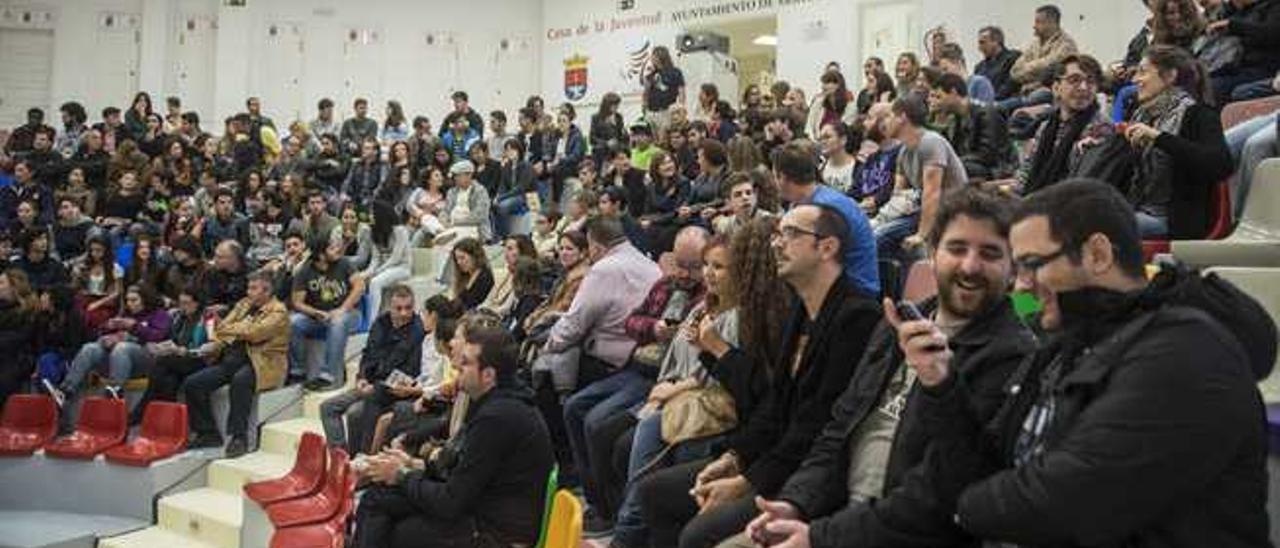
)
(189, 75)
(27, 58)
(277, 78)
(113, 78)
(887, 30)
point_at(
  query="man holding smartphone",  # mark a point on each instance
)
(1137, 422)
(855, 486)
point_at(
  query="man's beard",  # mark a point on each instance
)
(948, 299)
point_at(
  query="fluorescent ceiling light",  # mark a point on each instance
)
(765, 40)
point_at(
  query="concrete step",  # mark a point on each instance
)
(152, 537)
(282, 437)
(228, 475)
(206, 515)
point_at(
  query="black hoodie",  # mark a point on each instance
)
(503, 457)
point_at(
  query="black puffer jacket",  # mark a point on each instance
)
(986, 352)
(1157, 436)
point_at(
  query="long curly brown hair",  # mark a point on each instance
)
(763, 300)
(1192, 23)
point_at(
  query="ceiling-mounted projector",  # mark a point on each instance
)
(701, 40)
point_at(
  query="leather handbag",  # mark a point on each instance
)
(698, 413)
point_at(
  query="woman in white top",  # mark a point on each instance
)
(837, 148)
(389, 253)
(426, 204)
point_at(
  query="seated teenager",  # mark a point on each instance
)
(36, 260)
(120, 350)
(326, 290)
(473, 492)
(248, 352)
(388, 253)
(394, 344)
(97, 280)
(177, 357)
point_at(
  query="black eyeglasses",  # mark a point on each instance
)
(1033, 263)
(790, 233)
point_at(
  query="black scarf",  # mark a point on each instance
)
(1052, 159)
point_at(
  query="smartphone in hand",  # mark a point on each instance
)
(908, 311)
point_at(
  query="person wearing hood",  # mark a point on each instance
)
(472, 493)
(1137, 421)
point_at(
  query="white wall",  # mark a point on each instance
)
(213, 56)
(810, 32)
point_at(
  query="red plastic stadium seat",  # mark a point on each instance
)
(1219, 226)
(305, 479)
(102, 425)
(323, 505)
(29, 422)
(164, 434)
(330, 534)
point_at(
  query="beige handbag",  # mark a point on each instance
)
(698, 413)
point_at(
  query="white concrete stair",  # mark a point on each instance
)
(153, 537)
(206, 515)
(213, 516)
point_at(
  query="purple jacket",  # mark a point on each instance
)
(152, 326)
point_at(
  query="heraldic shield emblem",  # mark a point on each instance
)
(575, 77)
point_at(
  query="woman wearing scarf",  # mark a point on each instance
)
(1181, 150)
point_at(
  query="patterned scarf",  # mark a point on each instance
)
(1149, 189)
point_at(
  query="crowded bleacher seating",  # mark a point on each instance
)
(687, 314)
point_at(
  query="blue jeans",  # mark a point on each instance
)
(889, 235)
(1037, 97)
(333, 333)
(120, 361)
(504, 209)
(630, 528)
(1150, 226)
(586, 409)
(1250, 142)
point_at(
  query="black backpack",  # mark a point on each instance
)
(1238, 312)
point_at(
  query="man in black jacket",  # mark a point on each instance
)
(852, 489)
(997, 61)
(1136, 423)
(826, 334)
(394, 344)
(1075, 138)
(977, 131)
(486, 487)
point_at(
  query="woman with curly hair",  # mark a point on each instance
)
(728, 344)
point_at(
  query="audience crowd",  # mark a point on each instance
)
(694, 316)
